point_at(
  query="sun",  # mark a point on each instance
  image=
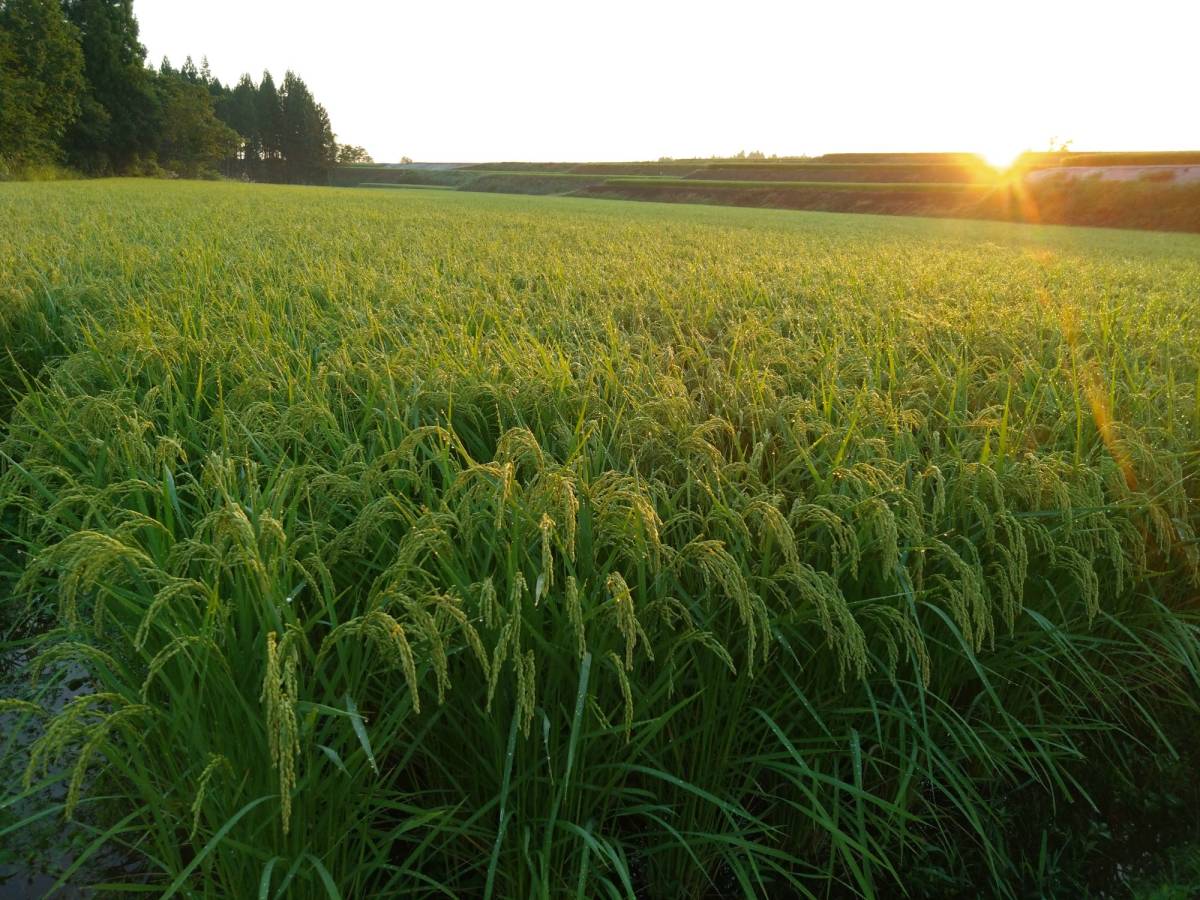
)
(1001, 157)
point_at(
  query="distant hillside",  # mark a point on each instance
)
(1124, 190)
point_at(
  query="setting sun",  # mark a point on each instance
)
(1002, 157)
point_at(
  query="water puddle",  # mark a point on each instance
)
(40, 848)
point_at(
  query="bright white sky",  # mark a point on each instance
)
(640, 79)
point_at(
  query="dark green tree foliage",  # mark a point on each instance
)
(74, 85)
(307, 141)
(118, 128)
(238, 108)
(270, 118)
(210, 81)
(192, 138)
(188, 72)
(286, 134)
(350, 154)
(41, 80)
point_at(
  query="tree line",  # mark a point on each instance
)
(75, 90)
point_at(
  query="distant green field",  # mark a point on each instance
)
(707, 183)
(424, 187)
(400, 543)
(629, 168)
(1156, 158)
(882, 158)
(937, 173)
(888, 163)
(913, 184)
(887, 168)
(563, 177)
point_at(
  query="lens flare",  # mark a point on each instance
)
(1001, 157)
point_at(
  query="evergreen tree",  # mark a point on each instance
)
(41, 80)
(73, 78)
(119, 122)
(328, 147)
(239, 110)
(188, 71)
(308, 144)
(270, 122)
(192, 140)
(210, 81)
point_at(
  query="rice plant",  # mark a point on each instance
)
(457, 545)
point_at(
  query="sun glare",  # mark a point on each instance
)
(1002, 158)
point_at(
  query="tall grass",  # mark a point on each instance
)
(476, 546)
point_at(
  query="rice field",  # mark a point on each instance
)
(668, 181)
(402, 543)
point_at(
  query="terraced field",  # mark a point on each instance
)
(447, 544)
(956, 185)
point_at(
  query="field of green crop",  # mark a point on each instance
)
(442, 544)
(667, 181)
